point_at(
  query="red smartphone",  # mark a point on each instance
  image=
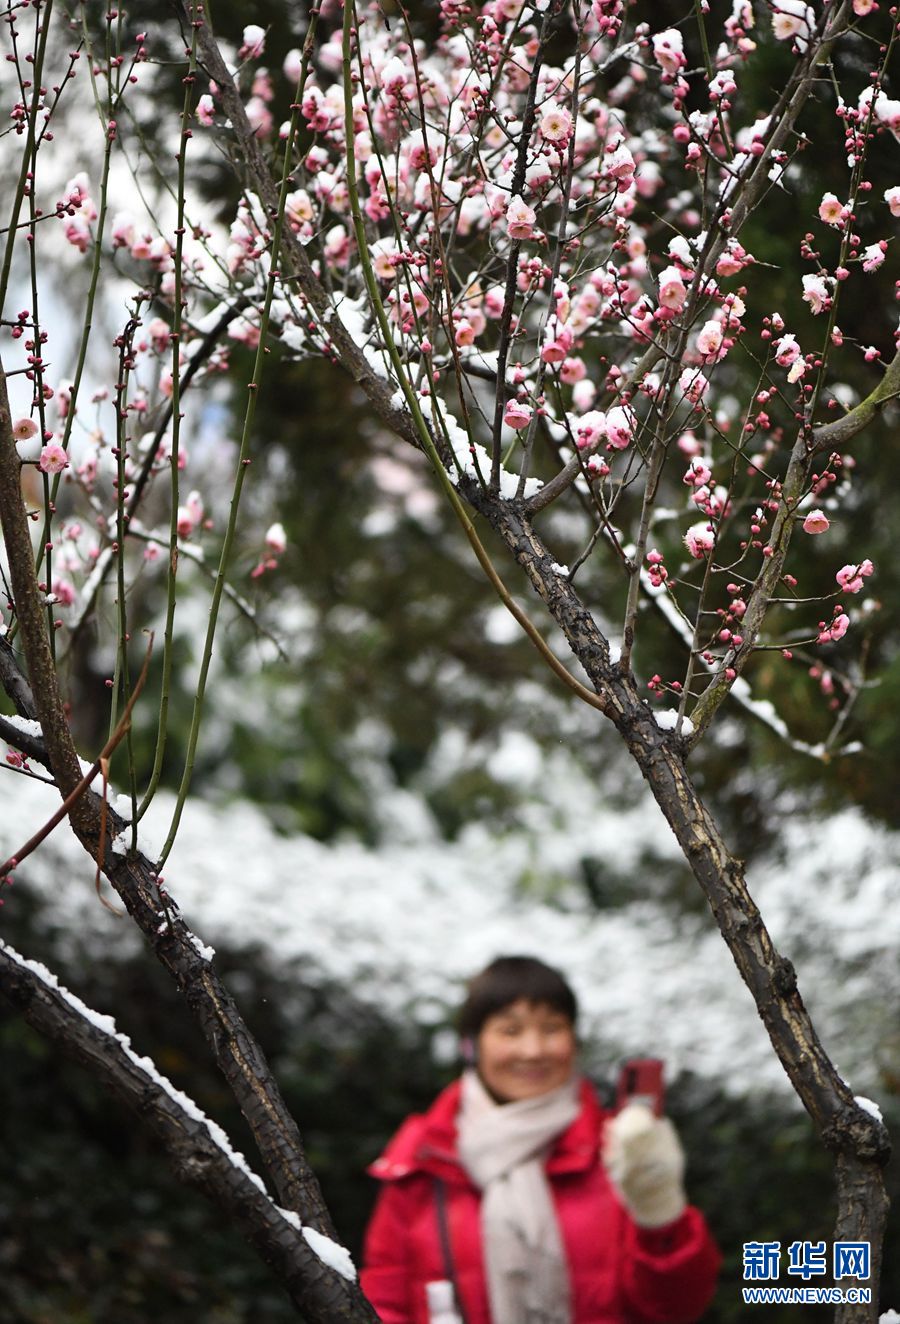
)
(641, 1081)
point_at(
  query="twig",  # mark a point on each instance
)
(78, 791)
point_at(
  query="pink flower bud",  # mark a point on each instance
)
(816, 522)
(516, 415)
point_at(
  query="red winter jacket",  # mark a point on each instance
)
(619, 1273)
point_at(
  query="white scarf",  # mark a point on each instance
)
(503, 1148)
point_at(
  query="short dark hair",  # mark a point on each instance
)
(508, 979)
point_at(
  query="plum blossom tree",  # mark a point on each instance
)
(528, 241)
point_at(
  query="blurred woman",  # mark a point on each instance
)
(517, 1200)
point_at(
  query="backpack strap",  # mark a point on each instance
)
(440, 1200)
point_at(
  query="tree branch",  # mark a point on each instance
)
(197, 1148)
(832, 436)
(845, 1127)
(15, 682)
(134, 878)
(320, 303)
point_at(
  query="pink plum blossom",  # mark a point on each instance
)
(557, 343)
(816, 522)
(573, 370)
(892, 198)
(618, 164)
(190, 515)
(733, 260)
(516, 415)
(292, 67)
(787, 351)
(852, 577)
(78, 233)
(672, 289)
(520, 219)
(584, 393)
(832, 211)
(830, 634)
(24, 429)
(123, 230)
(259, 117)
(276, 538)
(657, 572)
(693, 385)
(64, 592)
(253, 42)
(619, 427)
(668, 51)
(699, 540)
(555, 124)
(697, 473)
(873, 256)
(887, 111)
(53, 458)
(723, 85)
(396, 78)
(709, 341)
(590, 429)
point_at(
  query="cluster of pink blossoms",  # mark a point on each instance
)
(534, 239)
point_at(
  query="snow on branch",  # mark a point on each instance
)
(197, 1147)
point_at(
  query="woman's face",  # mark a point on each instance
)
(524, 1050)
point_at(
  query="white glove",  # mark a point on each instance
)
(645, 1162)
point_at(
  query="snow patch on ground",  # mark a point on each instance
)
(404, 924)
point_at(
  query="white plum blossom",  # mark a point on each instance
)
(892, 198)
(793, 19)
(816, 293)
